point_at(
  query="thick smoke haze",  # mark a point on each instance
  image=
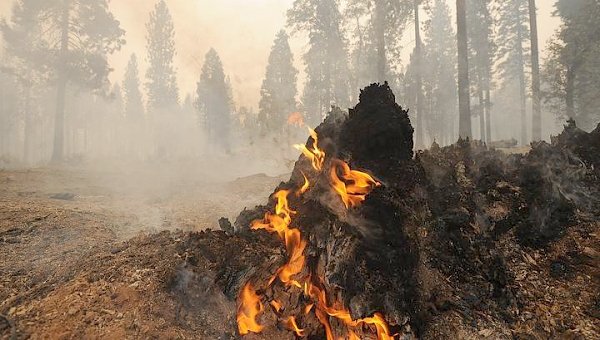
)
(189, 79)
(242, 31)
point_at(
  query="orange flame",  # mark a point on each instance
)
(280, 221)
(352, 335)
(316, 155)
(383, 331)
(296, 119)
(304, 187)
(276, 305)
(353, 186)
(290, 323)
(248, 309)
(295, 246)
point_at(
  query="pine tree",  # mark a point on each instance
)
(440, 74)
(161, 81)
(8, 113)
(134, 108)
(115, 120)
(464, 98)
(482, 51)
(536, 123)
(214, 101)
(73, 39)
(379, 40)
(326, 60)
(572, 70)
(513, 52)
(418, 70)
(278, 91)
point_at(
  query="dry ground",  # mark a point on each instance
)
(58, 226)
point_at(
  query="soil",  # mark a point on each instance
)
(85, 253)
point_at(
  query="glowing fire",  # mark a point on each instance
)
(295, 246)
(316, 155)
(290, 323)
(248, 309)
(304, 187)
(353, 187)
(276, 305)
(295, 119)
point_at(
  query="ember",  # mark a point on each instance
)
(296, 119)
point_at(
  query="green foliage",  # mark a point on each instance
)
(161, 81)
(363, 20)
(134, 107)
(34, 34)
(214, 101)
(439, 77)
(278, 91)
(572, 70)
(328, 80)
(512, 39)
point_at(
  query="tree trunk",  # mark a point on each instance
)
(464, 100)
(522, 86)
(359, 57)
(380, 36)
(536, 124)
(570, 92)
(418, 79)
(487, 87)
(481, 101)
(488, 114)
(59, 119)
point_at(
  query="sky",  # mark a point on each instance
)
(242, 32)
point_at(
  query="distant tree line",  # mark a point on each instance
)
(477, 76)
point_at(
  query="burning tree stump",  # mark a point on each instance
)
(366, 241)
(351, 266)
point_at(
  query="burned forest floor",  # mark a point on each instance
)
(78, 256)
(477, 243)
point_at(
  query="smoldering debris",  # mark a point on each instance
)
(464, 241)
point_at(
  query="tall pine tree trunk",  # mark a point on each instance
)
(487, 84)
(488, 113)
(536, 123)
(418, 78)
(380, 37)
(59, 119)
(359, 57)
(522, 85)
(570, 92)
(464, 100)
(480, 98)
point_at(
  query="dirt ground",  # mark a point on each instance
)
(58, 227)
(97, 254)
